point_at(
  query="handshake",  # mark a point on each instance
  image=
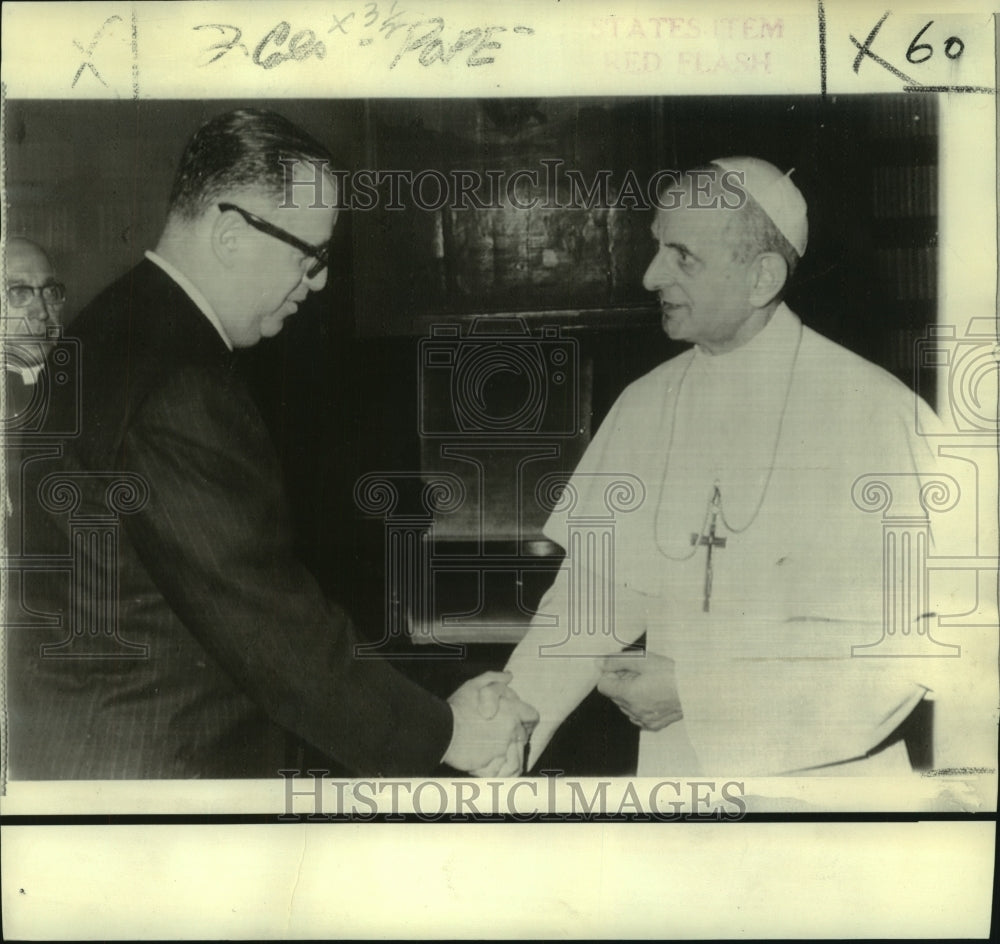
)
(491, 727)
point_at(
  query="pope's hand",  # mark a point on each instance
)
(491, 726)
(644, 686)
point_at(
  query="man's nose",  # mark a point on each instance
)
(37, 310)
(660, 272)
(317, 282)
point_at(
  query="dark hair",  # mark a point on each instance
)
(236, 150)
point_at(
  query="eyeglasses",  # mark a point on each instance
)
(319, 253)
(20, 296)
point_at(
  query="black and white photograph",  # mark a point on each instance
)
(489, 441)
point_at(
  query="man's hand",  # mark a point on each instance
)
(644, 687)
(492, 725)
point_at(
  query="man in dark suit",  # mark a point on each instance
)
(194, 643)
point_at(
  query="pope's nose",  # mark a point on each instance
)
(660, 272)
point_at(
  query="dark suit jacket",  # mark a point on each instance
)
(241, 647)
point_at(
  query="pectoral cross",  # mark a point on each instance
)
(711, 541)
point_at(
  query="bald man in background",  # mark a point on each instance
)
(36, 300)
(747, 566)
(35, 305)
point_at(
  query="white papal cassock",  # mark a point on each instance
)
(784, 426)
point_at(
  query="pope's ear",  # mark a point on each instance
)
(768, 275)
(227, 234)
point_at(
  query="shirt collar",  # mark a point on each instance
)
(778, 337)
(192, 292)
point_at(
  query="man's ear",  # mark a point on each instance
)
(768, 274)
(227, 235)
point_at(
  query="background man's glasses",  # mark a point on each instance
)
(319, 253)
(20, 296)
